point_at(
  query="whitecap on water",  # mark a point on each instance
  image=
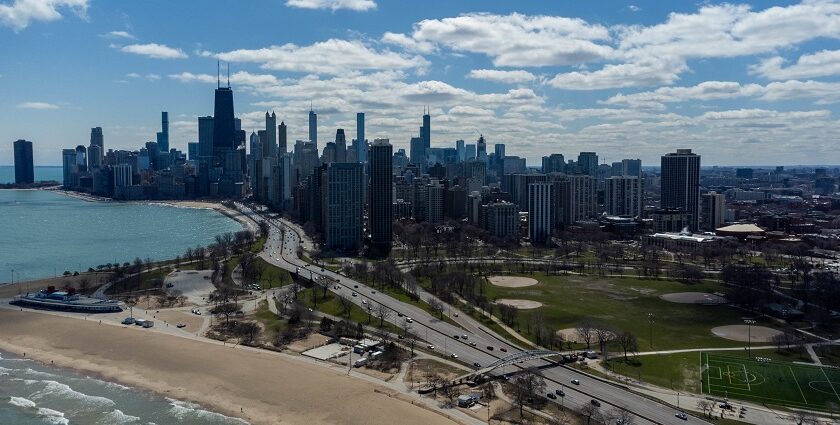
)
(118, 417)
(50, 416)
(184, 409)
(57, 389)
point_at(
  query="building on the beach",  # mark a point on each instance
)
(24, 168)
(50, 299)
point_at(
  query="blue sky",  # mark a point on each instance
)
(741, 83)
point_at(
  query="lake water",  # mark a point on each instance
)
(7, 173)
(31, 394)
(43, 232)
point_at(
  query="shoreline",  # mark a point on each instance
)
(259, 386)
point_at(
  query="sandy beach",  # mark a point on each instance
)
(11, 289)
(232, 213)
(268, 387)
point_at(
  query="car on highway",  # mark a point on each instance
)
(681, 415)
(408, 320)
(399, 314)
(364, 301)
(454, 356)
(595, 403)
(473, 344)
(464, 336)
(551, 396)
(477, 365)
(456, 337)
(356, 286)
(560, 392)
(181, 325)
(430, 347)
(353, 294)
(575, 381)
(489, 348)
(503, 349)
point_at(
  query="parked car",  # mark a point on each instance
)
(181, 325)
(128, 321)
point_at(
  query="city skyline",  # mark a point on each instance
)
(600, 78)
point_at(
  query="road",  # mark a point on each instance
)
(281, 250)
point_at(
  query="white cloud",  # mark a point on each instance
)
(518, 40)
(499, 76)
(120, 34)
(407, 42)
(147, 76)
(238, 78)
(633, 8)
(333, 56)
(37, 105)
(820, 64)
(647, 72)
(823, 92)
(154, 50)
(21, 13)
(357, 5)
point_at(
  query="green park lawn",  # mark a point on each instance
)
(624, 304)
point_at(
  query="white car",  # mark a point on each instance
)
(364, 301)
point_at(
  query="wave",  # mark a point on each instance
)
(49, 415)
(118, 417)
(109, 384)
(33, 372)
(183, 409)
(53, 389)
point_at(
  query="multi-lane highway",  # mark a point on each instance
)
(481, 345)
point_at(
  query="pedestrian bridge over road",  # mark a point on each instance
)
(512, 359)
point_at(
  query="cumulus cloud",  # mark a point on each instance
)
(333, 56)
(154, 50)
(647, 72)
(516, 39)
(820, 64)
(407, 42)
(37, 105)
(500, 76)
(19, 14)
(357, 5)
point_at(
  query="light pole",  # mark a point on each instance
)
(651, 318)
(749, 323)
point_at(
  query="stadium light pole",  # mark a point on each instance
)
(651, 318)
(749, 323)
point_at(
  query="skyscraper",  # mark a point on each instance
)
(98, 139)
(681, 184)
(206, 126)
(540, 211)
(163, 134)
(24, 166)
(313, 127)
(224, 127)
(381, 195)
(340, 146)
(588, 163)
(417, 152)
(361, 144)
(283, 148)
(68, 163)
(426, 131)
(623, 196)
(481, 149)
(714, 210)
(269, 143)
(461, 151)
(341, 206)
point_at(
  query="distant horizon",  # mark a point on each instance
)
(643, 166)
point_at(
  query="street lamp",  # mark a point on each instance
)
(651, 318)
(749, 323)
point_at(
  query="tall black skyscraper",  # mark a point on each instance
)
(281, 137)
(163, 134)
(24, 167)
(426, 131)
(381, 195)
(224, 126)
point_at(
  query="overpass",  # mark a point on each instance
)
(519, 357)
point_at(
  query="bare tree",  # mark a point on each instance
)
(526, 386)
(620, 416)
(604, 335)
(383, 313)
(436, 306)
(451, 392)
(590, 412)
(704, 405)
(585, 332)
(346, 305)
(627, 340)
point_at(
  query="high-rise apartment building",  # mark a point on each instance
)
(417, 152)
(268, 139)
(460, 150)
(681, 184)
(623, 196)
(588, 163)
(540, 211)
(98, 139)
(24, 165)
(282, 139)
(341, 206)
(68, 163)
(554, 163)
(713, 210)
(205, 136)
(381, 196)
(340, 146)
(500, 219)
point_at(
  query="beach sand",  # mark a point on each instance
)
(10, 290)
(269, 388)
(230, 212)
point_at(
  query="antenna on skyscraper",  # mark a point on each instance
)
(218, 71)
(310, 105)
(228, 70)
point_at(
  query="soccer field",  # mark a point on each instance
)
(775, 383)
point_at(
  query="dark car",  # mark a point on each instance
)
(489, 348)
(560, 392)
(477, 365)
(551, 396)
(595, 403)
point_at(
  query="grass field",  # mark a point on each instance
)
(773, 383)
(625, 303)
